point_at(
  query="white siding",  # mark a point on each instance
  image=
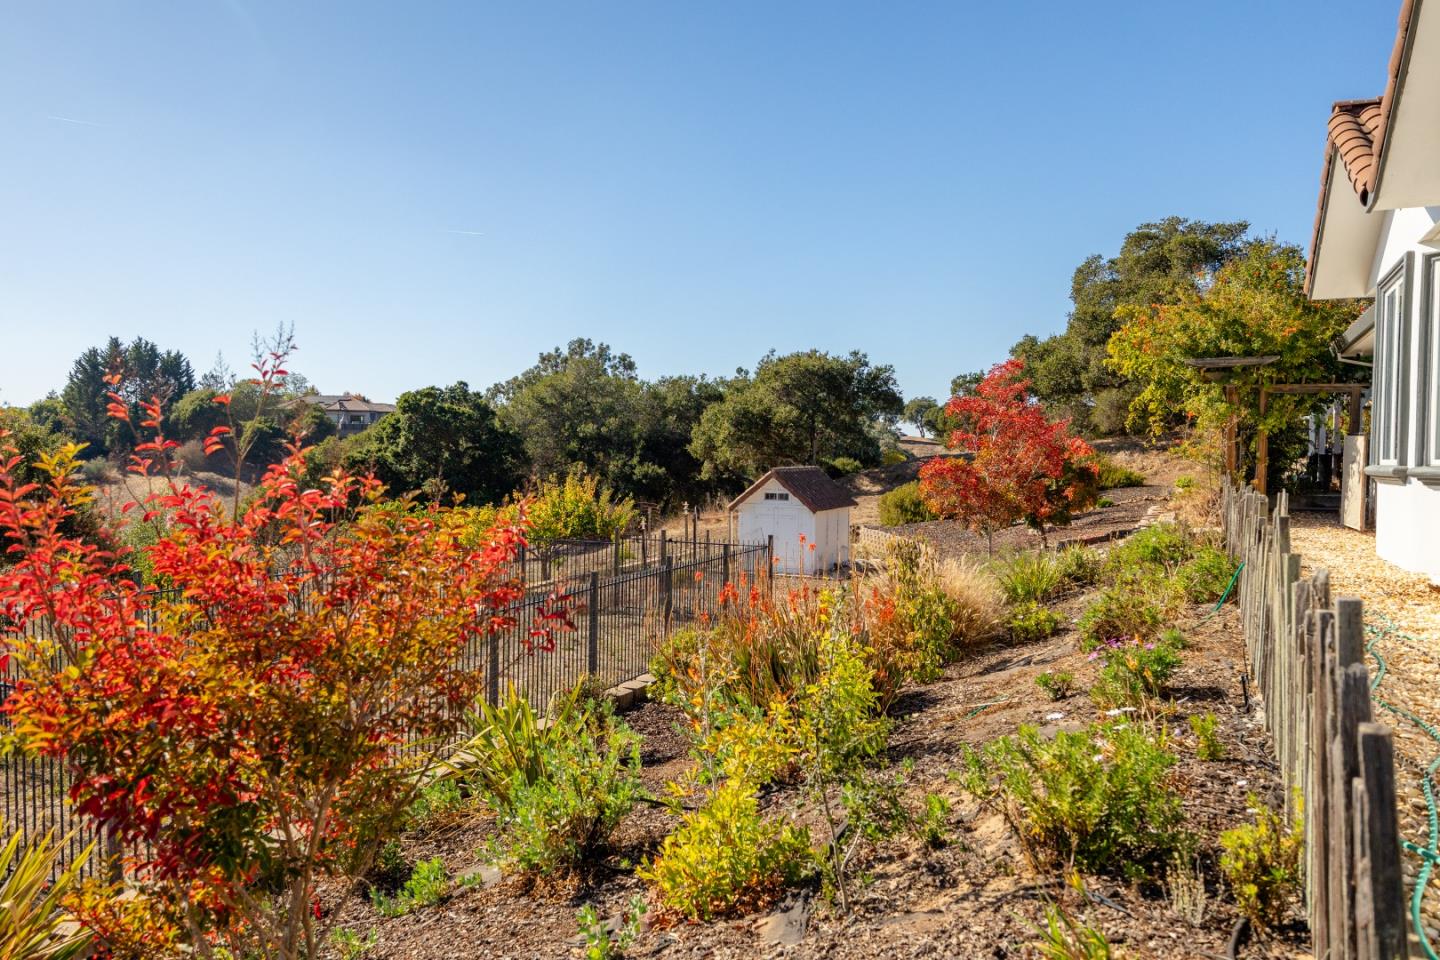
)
(1407, 526)
(795, 530)
(1406, 377)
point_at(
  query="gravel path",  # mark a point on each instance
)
(1411, 649)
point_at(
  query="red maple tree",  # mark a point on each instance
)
(249, 728)
(1016, 462)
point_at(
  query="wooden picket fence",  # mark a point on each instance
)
(1306, 659)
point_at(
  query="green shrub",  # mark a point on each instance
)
(904, 505)
(1113, 475)
(1065, 938)
(558, 793)
(1184, 483)
(509, 746)
(914, 614)
(1103, 502)
(1261, 862)
(1100, 800)
(34, 887)
(436, 800)
(1163, 545)
(1029, 622)
(1206, 575)
(838, 714)
(1056, 685)
(1120, 613)
(912, 617)
(427, 885)
(843, 466)
(1134, 672)
(932, 826)
(97, 471)
(1030, 577)
(578, 506)
(601, 943)
(893, 456)
(1079, 565)
(390, 868)
(750, 746)
(349, 944)
(1208, 745)
(725, 859)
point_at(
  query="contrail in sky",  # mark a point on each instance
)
(467, 233)
(85, 123)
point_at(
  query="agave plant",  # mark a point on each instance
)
(33, 924)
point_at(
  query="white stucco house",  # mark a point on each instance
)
(1377, 234)
(806, 512)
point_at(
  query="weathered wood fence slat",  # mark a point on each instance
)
(1306, 663)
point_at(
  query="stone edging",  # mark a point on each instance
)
(631, 693)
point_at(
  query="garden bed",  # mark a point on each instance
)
(974, 892)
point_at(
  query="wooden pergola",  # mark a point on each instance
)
(1222, 370)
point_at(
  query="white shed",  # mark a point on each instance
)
(806, 512)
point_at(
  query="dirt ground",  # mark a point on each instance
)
(1402, 610)
(973, 896)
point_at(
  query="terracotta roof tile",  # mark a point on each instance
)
(1356, 133)
(1355, 129)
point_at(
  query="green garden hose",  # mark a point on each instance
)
(1226, 595)
(1429, 854)
(983, 707)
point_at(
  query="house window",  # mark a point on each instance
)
(357, 418)
(777, 496)
(1390, 380)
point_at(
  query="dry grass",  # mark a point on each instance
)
(977, 594)
(978, 599)
(1198, 505)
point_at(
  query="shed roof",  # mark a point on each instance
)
(810, 485)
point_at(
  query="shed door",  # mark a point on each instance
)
(784, 523)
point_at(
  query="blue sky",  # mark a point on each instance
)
(433, 192)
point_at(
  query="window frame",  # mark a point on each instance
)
(1428, 461)
(1391, 380)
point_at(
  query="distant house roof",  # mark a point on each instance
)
(810, 485)
(346, 403)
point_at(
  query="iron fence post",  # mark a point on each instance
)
(492, 669)
(666, 585)
(770, 564)
(593, 647)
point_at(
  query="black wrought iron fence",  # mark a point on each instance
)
(623, 598)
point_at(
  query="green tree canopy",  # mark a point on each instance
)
(807, 407)
(1158, 263)
(1254, 306)
(920, 411)
(443, 440)
(145, 370)
(586, 408)
(577, 407)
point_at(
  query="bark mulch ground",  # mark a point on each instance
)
(976, 895)
(1410, 604)
(1131, 505)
